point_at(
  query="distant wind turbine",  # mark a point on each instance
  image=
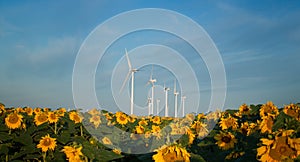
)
(131, 71)
(157, 106)
(176, 98)
(166, 89)
(183, 102)
(152, 81)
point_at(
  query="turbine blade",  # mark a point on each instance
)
(128, 60)
(174, 85)
(124, 82)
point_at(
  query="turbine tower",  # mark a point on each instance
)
(149, 105)
(183, 102)
(152, 81)
(131, 71)
(176, 97)
(166, 89)
(157, 106)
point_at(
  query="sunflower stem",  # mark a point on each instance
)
(55, 128)
(81, 131)
(44, 156)
(9, 132)
(6, 158)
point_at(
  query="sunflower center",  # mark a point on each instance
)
(47, 142)
(226, 139)
(53, 116)
(42, 118)
(76, 118)
(282, 149)
(122, 118)
(13, 119)
(245, 109)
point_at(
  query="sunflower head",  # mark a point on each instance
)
(268, 109)
(93, 112)
(244, 109)
(225, 140)
(96, 120)
(29, 111)
(61, 111)
(156, 120)
(171, 154)
(74, 116)
(40, 118)
(73, 153)
(47, 143)
(122, 119)
(53, 117)
(13, 120)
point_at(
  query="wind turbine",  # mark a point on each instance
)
(152, 81)
(183, 102)
(157, 106)
(166, 89)
(131, 71)
(176, 97)
(149, 105)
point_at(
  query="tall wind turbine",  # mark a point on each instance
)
(176, 97)
(183, 102)
(157, 106)
(166, 89)
(149, 105)
(131, 71)
(152, 81)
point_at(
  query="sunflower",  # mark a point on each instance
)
(171, 154)
(244, 109)
(143, 122)
(29, 111)
(74, 116)
(155, 129)
(96, 120)
(61, 112)
(131, 119)
(93, 112)
(40, 118)
(234, 155)
(228, 122)
(106, 141)
(156, 120)
(191, 135)
(47, 143)
(281, 149)
(139, 129)
(266, 124)
(122, 119)
(225, 140)
(117, 151)
(19, 110)
(245, 129)
(53, 117)
(293, 111)
(37, 110)
(295, 144)
(268, 109)
(13, 120)
(72, 153)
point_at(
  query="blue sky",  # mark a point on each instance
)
(258, 41)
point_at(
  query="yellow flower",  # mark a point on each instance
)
(37, 110)
(96, 120)
(191, 135)
(234, 155)
(29, 111)
(245, 128)
(106, 141)
(293, 111)
(225, 140)
(244, 109)
(74, 116)
(52, 117)
(72, 153)
(156, 120)
(19, 109)
(201, 116)
(268, 109)
(40, 118)
(295, 144)
(171, 154)
(61, 112)
(143, 122)
(46, 109)
(131, 119)
(47, 143)
(139, 129)
(94, 111)
(266, 124)
(155, 129)
(228, 122)
(281, 149)
(117, 151)
(122, 119)
(13, 120)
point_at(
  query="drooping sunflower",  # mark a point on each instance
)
(72, 153)
(266, 124)
(268, 109)
(47, 143)
(292, 110)
(171, 154)
(122, 119)
(40, 118)
(14, 120)
(29, 111)
(225, 140)
(229, 122)
(96, 120)
(74, 116)
(53, 117)
(106, 141)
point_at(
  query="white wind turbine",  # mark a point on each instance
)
(131, 71)
(157, 106)
(183, 102)
(151, 81)
(149, 105)
(166, 89)
(176, 98)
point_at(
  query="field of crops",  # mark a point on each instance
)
(250, 133)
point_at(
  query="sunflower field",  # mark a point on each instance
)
(251, 133)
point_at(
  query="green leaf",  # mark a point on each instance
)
(24, 139)
(64, 137)
(196, 158)
(4, 136)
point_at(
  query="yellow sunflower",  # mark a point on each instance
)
(245, 129)
(244, 109)
(37, 110)
(47, 143)
(94, 111)
(131, 119)
(106, 141)
(122, 119)
(13, 120)
(268, 109)
(225, 140)
(292, 110)
(117, 151)
(191, 135)
(96, 120)
(155, 129)
(139, 129)
(266, 124)
(156, 120)
(229, 122)
(74, 116)
(295, 144)
(281, 150)
(73, 154)
(40, 118)
(171, 154)
(234, 155)
(143, 122)
(29, 111)
(53, 117)
(61, 112)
